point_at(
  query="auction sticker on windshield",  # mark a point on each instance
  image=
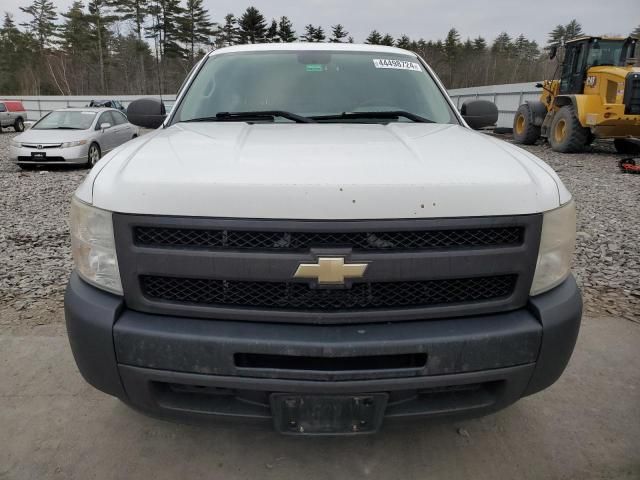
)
(396, 64)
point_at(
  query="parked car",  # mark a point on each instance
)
(72, 136)
(12, 114)
(316, 237)
(108, 104)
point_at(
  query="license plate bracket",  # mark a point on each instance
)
(328, 414)
(38, 155)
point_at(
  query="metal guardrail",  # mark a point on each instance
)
(506, 97)
(38, 106)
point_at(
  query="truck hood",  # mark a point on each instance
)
(321, 171)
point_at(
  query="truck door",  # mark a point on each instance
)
(5, 116)
(573, 69)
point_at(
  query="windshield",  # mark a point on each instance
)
(315, 84)
(65, 120)
(606, 52)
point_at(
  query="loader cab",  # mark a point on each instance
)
(583, 53)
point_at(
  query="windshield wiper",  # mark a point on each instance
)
(252, 116)
(386, 114)
(65, 128)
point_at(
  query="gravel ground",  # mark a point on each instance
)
(36, 260)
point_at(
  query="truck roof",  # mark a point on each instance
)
(337, 47)
(589, 37)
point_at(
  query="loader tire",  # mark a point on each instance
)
(566, 134)
(524, 131)
(626, 146)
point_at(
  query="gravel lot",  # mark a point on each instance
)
(35, 252)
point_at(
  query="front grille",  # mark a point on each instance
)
(42, 146)
(263, 240)
(299, 296)
(632, 94)
(243, 269)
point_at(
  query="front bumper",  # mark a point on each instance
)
(54, 156)
(179, 367)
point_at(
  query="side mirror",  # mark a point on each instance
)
(479, 113)
(104, 126)
(552, 52)
(146, 112)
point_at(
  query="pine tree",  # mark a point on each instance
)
(572, 30)
(452, 50)
(166, 29)
(197, 26)
(229, 33)
(272, 33)
(127, 53)
(374, 38)
(285, 30)
(309, 33)
(318, 34)
(43, 21)
(452, 45)
(74, 32)
(253, 27)
(99, 20)
(136, 12)
(479, 44)
(556, 35)
(564, 32)
(15, 55)
(525, 49)
(387, 40)
(404, 42)
(338, 33)
(502, 44)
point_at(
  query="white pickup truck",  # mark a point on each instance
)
(317, 238)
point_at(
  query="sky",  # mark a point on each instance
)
(430, 19)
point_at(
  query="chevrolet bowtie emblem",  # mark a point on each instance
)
(330, 271)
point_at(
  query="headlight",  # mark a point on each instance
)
(556, 248)
(73, 144)
(93, 245)
(15, 144)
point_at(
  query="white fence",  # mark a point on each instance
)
(507, 97)
(37, 106)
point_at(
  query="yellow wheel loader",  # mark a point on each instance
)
(597, 96)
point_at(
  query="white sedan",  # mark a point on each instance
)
(72, 136)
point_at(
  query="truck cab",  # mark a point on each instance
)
(316, 238)
(12, 114)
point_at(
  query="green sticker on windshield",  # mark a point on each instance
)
(315, 67)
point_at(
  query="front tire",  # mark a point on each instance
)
(19, 125)
(626, 146)
(93, 155)
(566, 134)
(524, 131)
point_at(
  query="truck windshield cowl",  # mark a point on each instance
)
(306, 86)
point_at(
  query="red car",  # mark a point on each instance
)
(12, 114)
